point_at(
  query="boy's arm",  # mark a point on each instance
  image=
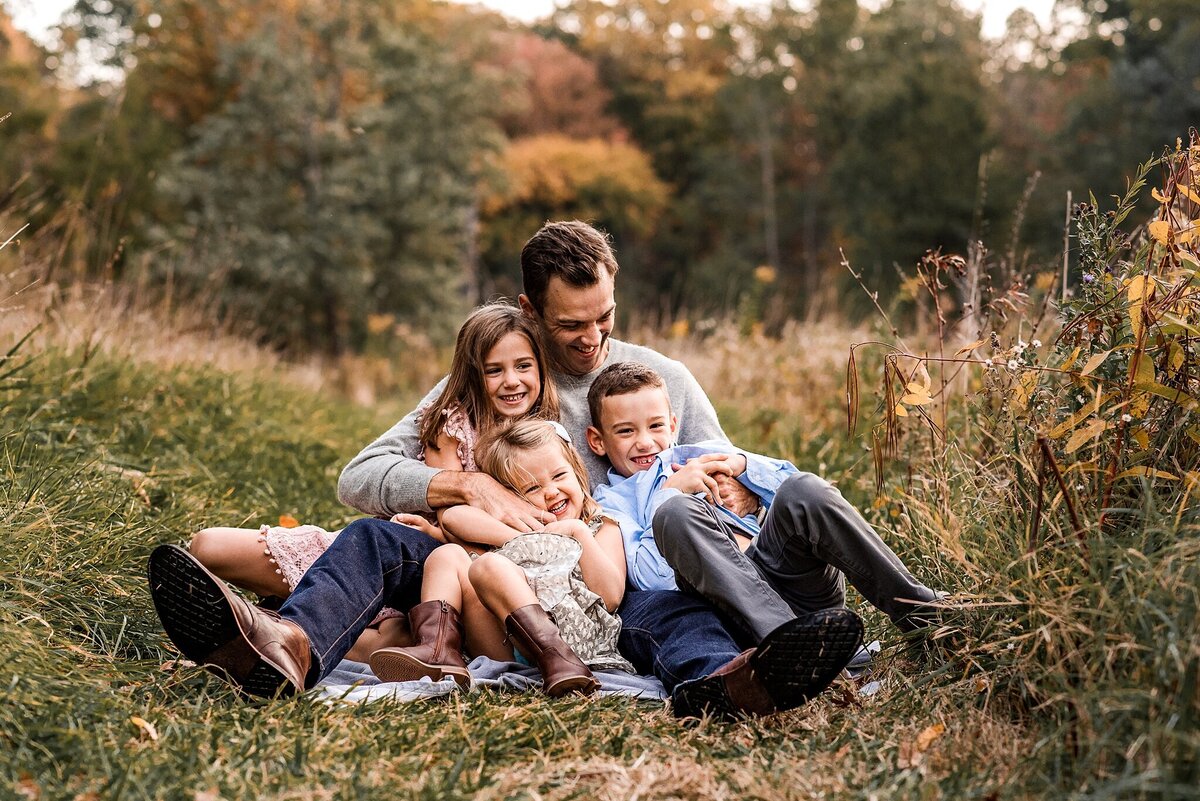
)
(646, 569)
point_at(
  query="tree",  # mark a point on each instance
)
(336, 181)
(553, 177)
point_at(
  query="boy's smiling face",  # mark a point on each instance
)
(633, 429)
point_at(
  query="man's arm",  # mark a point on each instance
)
(386, 477)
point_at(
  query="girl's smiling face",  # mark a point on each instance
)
(546, 479)
(511, 379)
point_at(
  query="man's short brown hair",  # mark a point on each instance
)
(622, 378)
(570, 250)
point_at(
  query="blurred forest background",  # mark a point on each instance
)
(334, 175)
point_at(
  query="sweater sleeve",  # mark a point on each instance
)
(695, 412)
(386, 477)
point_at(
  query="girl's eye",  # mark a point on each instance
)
(532, 490)
(491, 371)
(525, 366)
(560, 476)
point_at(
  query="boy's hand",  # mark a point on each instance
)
(699, 475)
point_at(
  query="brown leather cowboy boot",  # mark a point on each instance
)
(255, 650)
(562, 671)
(438, 653)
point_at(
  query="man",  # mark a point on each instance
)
(568, 270)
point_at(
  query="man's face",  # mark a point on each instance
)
(576, 322)
(633, 429)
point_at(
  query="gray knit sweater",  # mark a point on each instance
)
(385, 478)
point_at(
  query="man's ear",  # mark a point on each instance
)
(595, 442)
(527, 306)
(674, 427)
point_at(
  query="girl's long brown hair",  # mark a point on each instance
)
(497, 452)
(486, 326)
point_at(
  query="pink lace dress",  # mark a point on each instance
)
(293, 550)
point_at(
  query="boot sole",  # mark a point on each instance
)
(391, 665)
(197, 616)
(795, 663)
(584, 685)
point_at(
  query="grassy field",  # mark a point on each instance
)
(1072, 672)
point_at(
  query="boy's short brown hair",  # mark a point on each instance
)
(622, 378)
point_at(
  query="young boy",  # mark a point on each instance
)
(792, 556)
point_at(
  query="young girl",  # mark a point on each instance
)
(575, 568)
(498, 373)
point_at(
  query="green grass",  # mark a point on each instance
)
(1078, 684)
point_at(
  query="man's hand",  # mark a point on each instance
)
(508, 507)
(450, 488)
(737, 497)
(700, 475)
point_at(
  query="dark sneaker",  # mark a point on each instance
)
(791, 665)
(253, 649)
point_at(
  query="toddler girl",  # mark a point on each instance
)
(573, 569)
(498, 372)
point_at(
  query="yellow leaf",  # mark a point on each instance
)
(916, 400)
(1081, 436)
(1138, 287)
(1154, 193)
(1141, 368)
(1141, 438)
(1023, 390)
(1193, 434)
(146, 726)
(971, 347)
(1074, 419)
(1188, 193)
(1176, 396)
(1160, 230)
(1146, 472)
(1140, 290)
(287, 521)
(926, 737)
(1095, 361)
(1175, 360)
(1070, 360)
(916, 388)
(901, 411)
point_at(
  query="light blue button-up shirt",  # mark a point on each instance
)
(632, 502)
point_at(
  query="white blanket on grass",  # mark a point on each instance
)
(355, 683)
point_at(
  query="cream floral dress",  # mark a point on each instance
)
(551, 565)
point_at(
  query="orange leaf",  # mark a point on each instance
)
(971, 347)
(287, 521)
(926, 738)
(146, 726)
(1160, 230)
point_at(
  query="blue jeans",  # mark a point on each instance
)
(672, 635)
(374, 563)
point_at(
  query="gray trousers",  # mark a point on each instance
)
(811, 542)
